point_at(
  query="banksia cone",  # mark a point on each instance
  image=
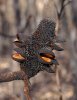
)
(35, 52)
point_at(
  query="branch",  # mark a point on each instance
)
(59, 83)
(10, 76)
(20, 30)
(6, 35)
(62, 8)
(67, 3)
(19, 75)
(26, 24)
(26, 89)
(59, 13)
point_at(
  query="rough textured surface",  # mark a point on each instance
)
(42, 38)
(12, 76)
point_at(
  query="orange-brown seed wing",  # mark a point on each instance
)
(18, 57)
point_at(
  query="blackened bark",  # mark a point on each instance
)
(10, 76)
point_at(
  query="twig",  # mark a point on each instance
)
(10, 76)
(26, 89)
(58, 26)
(59, 14)
(19, 75)
(58, 71)
(62, 8)
(26, 24)
(20, 30)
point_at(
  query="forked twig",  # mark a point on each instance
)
(60, 13)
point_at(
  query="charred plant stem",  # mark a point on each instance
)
(26, 89)
(59, 83)
(10, 76)
(19, 75)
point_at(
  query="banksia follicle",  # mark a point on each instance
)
(35, 52)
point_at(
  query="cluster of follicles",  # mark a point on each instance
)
(36, 52)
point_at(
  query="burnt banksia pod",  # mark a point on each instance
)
(35, 52)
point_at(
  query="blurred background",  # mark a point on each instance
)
(24, 16)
